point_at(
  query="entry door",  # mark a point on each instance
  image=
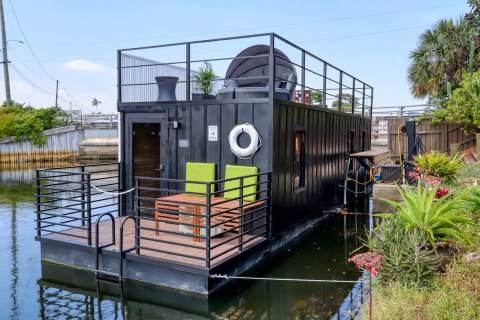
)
(145, 155)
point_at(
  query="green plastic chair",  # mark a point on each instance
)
(240, 171)
(201, 172)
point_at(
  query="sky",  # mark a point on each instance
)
(76, 42)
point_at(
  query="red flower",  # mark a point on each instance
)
(441, 192)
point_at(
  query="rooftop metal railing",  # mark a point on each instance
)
(320, 83)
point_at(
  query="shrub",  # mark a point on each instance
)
(438, 165)
(405, 257)
(437, 220)
(472, 200)
(28, 123)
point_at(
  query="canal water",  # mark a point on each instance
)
(30, 289)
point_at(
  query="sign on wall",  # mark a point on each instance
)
(212, 133)
(382, 127)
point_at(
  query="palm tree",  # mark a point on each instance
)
(95, 103)
(443, 54)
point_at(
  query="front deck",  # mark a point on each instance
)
(173, 239)
(168, 247)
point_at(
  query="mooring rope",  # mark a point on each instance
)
(224, 276)
(112, 193)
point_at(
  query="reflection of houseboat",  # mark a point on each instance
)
(207, 186)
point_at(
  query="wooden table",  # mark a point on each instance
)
(198, 207)
(174, 203)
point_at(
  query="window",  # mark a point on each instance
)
(299, 161)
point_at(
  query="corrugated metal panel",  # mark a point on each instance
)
(60, 144)
(138, 79)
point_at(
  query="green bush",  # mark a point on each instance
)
(472, 199)
(436, 219)
(28, 123)
(406, 258)
(439, 165)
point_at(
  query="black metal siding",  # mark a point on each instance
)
(327, 142)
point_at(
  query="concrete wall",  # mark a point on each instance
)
(64, 143)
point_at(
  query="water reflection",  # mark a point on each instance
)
(322, 257)
(64, 293)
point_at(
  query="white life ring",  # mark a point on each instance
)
(255, 141)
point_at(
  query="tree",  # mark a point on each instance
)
(463, 106)
(346, 102)
(316, 96)
(28, 123)
(205, 78)
(443, 54)
(95, 103)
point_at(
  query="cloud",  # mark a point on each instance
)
(82, 65)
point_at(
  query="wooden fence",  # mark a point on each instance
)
(434, 138)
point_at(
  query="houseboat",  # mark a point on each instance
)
(206, 184)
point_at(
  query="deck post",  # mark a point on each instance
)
(303, 77)
(137, 213)
(340, 91)
(119, 188)
(207, 226)
(269, 204)
(240, 218)
(187, 71)
(325, 85)
(82, 176)
(89, 207)
(37, 205)
(363, 101)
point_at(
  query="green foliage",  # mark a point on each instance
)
(444, 53)
(463, 106)
(28, 123)
(437, 220)
(472, 200)
(346, 102)
(205, 78)
(439, 165)
(451, 295)
(405, 257)
(316, 96)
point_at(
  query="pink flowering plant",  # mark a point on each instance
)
(430, 182)
(368, 261)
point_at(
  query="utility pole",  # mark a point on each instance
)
(5, 57)
(56, 93)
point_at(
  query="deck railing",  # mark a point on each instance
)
(318, 82)
(194, 228)
(71, 198)
(215, 227)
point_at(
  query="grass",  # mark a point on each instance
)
(453, 294)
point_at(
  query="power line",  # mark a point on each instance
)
(253, 28)
(24, 77)
(28, 43)
(38, 62)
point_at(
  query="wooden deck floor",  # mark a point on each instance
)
(170, 250)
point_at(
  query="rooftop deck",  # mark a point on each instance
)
(314, 82)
